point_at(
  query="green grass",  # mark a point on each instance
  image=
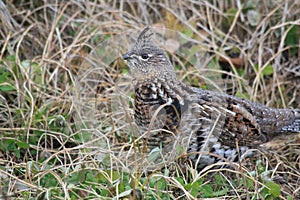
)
(66, 119)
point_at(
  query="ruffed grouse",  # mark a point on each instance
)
(209, 126)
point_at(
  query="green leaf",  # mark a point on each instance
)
(73, 197)
(292, 39)
(5, 81)
(188, 32)
(91, 177)
(11, 58)
(268, 70)
(243, 95)
(289, 198)
(26, 63)
(23, 145)
(274, 189)
(240, 71)
(213, 65)
(180, 180)
(231, 14)
(104, 193)
(206, 190)
(154, 154)
(195, 189)
(161, 184)
(152, 182)
(125, 71)
(188, 186)
(6, 88)
(221, 192)
(76, 177)
(167, 172)
(250, 183)
(121, 187)
(292, 36)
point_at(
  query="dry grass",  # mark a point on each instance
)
(66, 100)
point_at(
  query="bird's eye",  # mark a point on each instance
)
(145, 56)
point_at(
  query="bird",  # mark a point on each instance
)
(207, 126)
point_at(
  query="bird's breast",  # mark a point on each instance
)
(155, 108)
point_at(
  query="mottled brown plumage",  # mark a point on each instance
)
(200, 121)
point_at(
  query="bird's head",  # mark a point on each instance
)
(147, 60)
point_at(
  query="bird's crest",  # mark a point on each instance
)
(145, 37)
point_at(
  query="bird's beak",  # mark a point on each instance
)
(126, 56)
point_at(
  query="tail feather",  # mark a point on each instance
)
(294, 127)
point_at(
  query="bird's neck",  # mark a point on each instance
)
(168, 85)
